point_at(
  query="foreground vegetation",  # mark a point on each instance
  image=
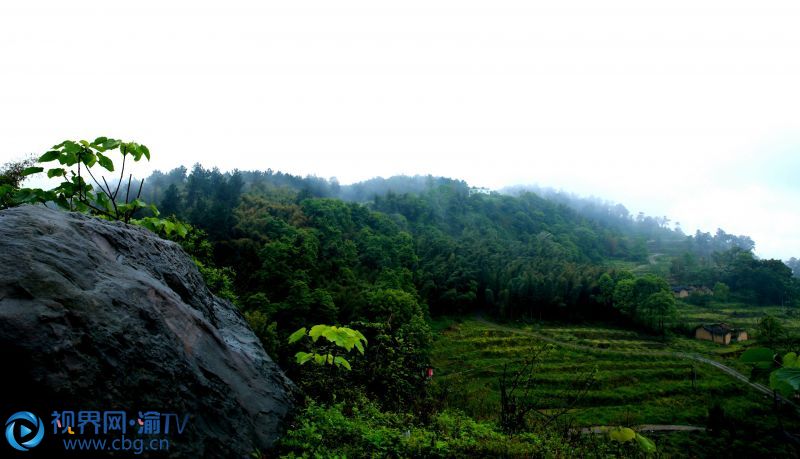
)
(361, 429)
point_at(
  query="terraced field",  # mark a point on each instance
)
(637, 380)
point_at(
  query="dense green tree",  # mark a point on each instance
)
(660, 308)
(721, 291)
(171, 202)
(646, 300)
(391, 306)
(769, 330)
(11, 178)
(606, 286)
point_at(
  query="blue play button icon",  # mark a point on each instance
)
(24, 419)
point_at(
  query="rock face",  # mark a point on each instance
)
(98, 315)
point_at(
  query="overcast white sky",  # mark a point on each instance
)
(681, 108)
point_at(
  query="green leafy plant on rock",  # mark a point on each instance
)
(336, 340)
(74, 162)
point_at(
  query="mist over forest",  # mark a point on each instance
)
(608, 213)
(506, 251)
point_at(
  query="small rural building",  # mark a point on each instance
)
(720, 333)
(681, 291)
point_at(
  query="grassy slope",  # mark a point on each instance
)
(632, 388)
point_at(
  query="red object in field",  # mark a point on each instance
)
(429, 372)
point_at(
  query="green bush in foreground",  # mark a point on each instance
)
(363, 430)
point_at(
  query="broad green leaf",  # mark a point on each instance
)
(62, 202)
(105, 162)
(342, 362)
(757, 354)
(68, 158)
(790, 376)
(622, 434)
(182, 229)
(43, 195)
(145, 151)
(359, 335)
(25, 195)
(88, 157)
(153, 225)
(645, 443)
(317, 331)
(137, 203)
(790, 360)
(764, 365)
(135, 150)
(79, 181)
(319, 359)
(56, 172)
(104, 202)
(66, 188)
(781, 387)
(303, 357)
(104, 144)
(360, 347)
(72, 147)
(340, 337)
(297, 336)
(31, 170)
(51, 155)
(81, 207)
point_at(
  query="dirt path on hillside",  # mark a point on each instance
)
(647, 428)
(682, 355)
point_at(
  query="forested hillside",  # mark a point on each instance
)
(514, 254)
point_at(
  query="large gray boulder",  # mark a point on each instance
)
(98, 315)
